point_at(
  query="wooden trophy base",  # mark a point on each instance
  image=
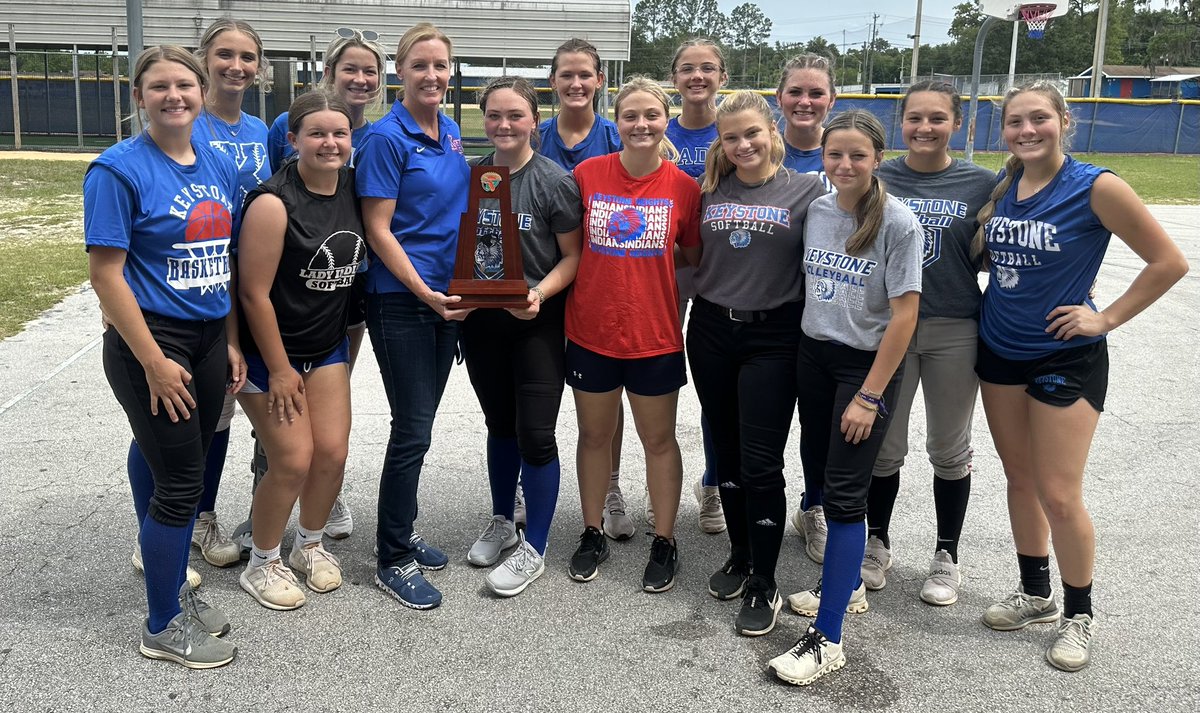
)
(501, 294)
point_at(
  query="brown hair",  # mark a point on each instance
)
(311, 103)
(167, 53)
(576, 46)
(930, 85)
(333, 56)
(718, 165)
(698, 42)
(1014, 164)
(640, 83)
(225, 24)
(523, 88)
(808, 60)
(868, 212)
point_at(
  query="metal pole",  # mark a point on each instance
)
(1012, 55)
(78, 96)
(916, 38)
(312, 59)
(1098, 54)
(133, 35)
(976, 68)
(1092, 129)
(1178, 128)
(116, 71)
(16, 93)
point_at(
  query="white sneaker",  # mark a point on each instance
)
(808, 601)
(340, 523)
(217, 549)
(941, 586)
(519, 517)
(877, 560)
(1018, 610)
(517, 572)
(499, 535)
(1072, 647)
(322, 571)
(616, 523)
(712, 517)
(193, 577)
(811, 525)
(813, 656)
(273, 585)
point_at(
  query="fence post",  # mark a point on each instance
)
(1092, 132)
(1178, 128)
(78, 96)
(116, 84)
(16, 97)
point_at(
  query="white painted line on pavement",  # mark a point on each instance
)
(57, 370)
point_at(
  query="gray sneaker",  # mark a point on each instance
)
(877, 560)
(340, 523)
(1018, 610)
(517, 572)
(616, 522)
(1072, 648)
(185, 642)
(499, 535)
(519, 517)
(811, 525)
(806, 602)
(211, 619)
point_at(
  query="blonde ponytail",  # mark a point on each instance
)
(868, 215)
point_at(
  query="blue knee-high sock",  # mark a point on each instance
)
(839, 575)
(214, 464)
(504, 465)
(541, 497)
(141, 481)
(164, 554)
(710, 455)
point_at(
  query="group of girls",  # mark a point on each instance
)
(839, 302)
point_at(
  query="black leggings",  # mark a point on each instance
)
(516, 368)
(174, 451)
(828, 376)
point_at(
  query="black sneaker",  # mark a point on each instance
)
(729, 581)
(593, 549)
(663, 564)
(760, 608)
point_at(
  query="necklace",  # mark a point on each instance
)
(233, 129)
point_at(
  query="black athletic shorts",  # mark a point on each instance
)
(1059, 379)
(647, 376)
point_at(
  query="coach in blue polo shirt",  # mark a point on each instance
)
(412, 179)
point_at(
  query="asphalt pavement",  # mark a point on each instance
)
(71, 603)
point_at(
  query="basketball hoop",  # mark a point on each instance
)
(1036, 16)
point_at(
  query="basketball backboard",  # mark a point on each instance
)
(1011, 9)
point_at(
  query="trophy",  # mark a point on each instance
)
(487, 267)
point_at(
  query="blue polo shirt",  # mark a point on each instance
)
(428, 180)
(600, 141)
(279, 150)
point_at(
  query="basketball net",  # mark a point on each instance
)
(1036, 16)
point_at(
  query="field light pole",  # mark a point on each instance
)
(976, 68)
(12, 73)
(916, 38)
(133, 35)
(1098, 52)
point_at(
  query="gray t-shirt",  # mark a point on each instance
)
(753, 240)
(546, 201)
(848, 294)
(946, 203)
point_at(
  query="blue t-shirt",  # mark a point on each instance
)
(245, 143)
(806, 161)
(428, 180)
(600, 141)
(1044, 252)
(278, 148)
(693, 145)
(174, 222)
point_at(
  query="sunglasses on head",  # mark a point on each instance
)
(349, 33)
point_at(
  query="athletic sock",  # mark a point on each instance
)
(541, 497)
(259, 558)
(881, 499)
(504, 465)
(733, 504)
(164, 556)
(1076, 600)
(141, 481)
(766, 512)
(709, 480)
(214, 465)
(839, 575)
(950, 501)
(306, 537)
(811, 497)
(1035, 574)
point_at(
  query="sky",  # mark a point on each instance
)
(801, 21)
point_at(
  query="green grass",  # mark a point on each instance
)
(41, 238)
(1156, 178)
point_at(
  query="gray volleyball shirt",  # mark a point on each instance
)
(753, 240)
(546, 201)
(848, 295)
(945, 202)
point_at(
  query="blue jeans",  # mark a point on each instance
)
(415, 350)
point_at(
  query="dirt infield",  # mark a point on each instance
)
(50, 155)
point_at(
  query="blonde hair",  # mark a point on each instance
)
(226, 24)
(420, 32)
(698, 42)
(640, 83)
(808, 60)
(868, 212)
(1014, 164)
(718, 165)
(333, 55)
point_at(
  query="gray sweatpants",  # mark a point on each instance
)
(941, 358)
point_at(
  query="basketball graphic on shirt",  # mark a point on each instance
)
(335, 262)
(1006, 277)
(626, 224)
(208, 220)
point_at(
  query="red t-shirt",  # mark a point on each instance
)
(624, 302)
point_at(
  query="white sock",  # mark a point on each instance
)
(259, 558)
(306, 537)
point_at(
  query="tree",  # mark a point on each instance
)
(748, 28)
